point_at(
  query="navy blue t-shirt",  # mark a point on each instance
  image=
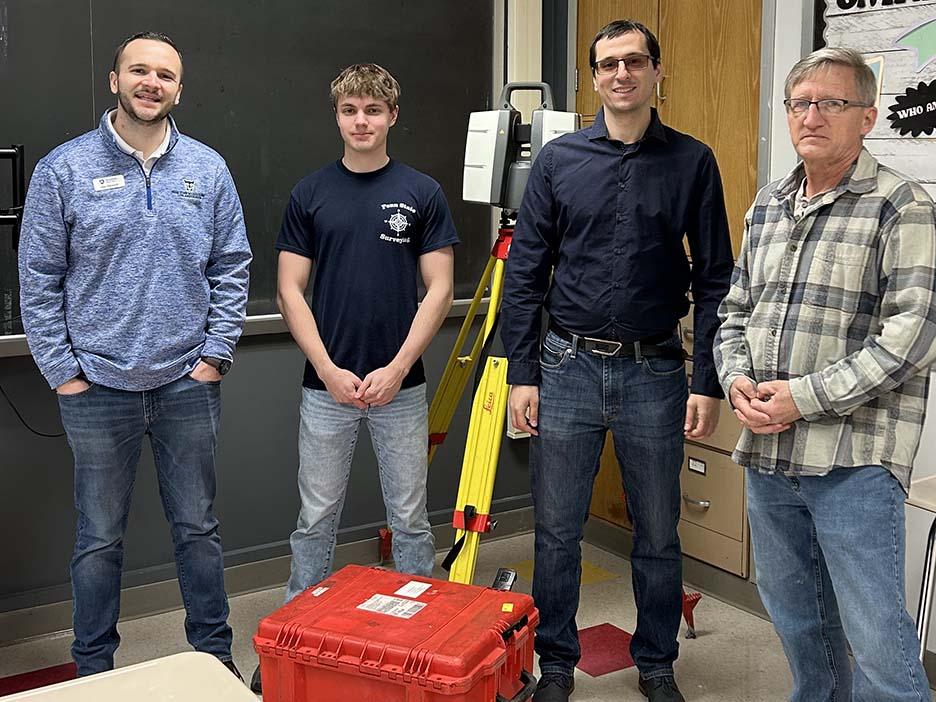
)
(365, 232)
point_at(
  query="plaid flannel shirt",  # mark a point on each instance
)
(841, 302)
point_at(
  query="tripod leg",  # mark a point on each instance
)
(479, 468)
(457, 370)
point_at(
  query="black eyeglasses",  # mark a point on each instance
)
(634, 62)
(830, 106)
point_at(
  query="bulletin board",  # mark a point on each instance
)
(898, 40)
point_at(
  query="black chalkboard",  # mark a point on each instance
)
(38, 42)
(256, 90)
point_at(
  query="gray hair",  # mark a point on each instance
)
(805, 68)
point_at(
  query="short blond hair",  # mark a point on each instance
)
(366, 79)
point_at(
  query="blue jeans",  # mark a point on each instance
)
(643, 404)
(829, 553)
(328, 433)
(105, 429)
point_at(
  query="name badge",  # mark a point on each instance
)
(109, 183)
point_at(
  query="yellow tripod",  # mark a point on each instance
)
(488, 410)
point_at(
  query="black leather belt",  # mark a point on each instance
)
(644, 348)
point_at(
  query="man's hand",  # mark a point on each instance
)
(774, 400)
(524, 407)
(701, 416)
(204, 373)
(380, 386)
(342, 385)
(72, 387)
(742, 394)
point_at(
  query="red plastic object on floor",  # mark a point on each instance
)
(384, 545)
(689, 602)
(605, 649)
(374, 634)
(37, 678)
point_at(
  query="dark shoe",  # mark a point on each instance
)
(554, 687)
(255, 681)
(233, 668)
(661, 689)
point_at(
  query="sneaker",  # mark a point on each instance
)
(554, 687)
(255, 682)
(233, 668)
(661, 689)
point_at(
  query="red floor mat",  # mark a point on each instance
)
(37, 678)
(605, 649)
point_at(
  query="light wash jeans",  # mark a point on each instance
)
(105, 429)
(829, 553)
(327, 435)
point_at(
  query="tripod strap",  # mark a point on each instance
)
(484, 353)
(453, 553)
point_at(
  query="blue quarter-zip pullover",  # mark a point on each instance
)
(128, 278)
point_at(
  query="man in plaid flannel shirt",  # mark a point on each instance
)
(823, 351)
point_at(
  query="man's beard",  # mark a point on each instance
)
(126, 103)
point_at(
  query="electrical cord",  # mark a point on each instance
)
(24, 422)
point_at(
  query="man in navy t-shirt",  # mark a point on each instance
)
(369, 225)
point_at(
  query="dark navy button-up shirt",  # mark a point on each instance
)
(607, 219)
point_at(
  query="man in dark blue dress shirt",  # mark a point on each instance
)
(605, 212)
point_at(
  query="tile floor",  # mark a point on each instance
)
(736, 657)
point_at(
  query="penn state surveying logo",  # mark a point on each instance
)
(398, 222)
(190, 190)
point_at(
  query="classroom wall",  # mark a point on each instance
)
(257, 498)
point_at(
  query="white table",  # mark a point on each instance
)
(184, 677)
(923, 495)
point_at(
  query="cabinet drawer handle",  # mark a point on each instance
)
(701, 504)
(688, 334)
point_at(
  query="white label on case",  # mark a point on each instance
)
(697, 466)
(413, 589)
(393, 606)
(108, 183)
(319, 591)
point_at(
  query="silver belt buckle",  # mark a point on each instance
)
(616, 344)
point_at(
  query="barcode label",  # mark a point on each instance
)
(392, 606)
(413, 589)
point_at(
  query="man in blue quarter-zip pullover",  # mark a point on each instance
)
(133, 277)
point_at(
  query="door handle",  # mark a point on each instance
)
(701, 504)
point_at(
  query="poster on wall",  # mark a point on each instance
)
(898, 40)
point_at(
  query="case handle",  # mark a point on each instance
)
(543, 88)
(529, 687)
(516, 626)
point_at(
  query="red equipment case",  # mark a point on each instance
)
(373, 634)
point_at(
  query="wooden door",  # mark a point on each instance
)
(607, 497)
(711, 60)
(592, 16)
(711, 64)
